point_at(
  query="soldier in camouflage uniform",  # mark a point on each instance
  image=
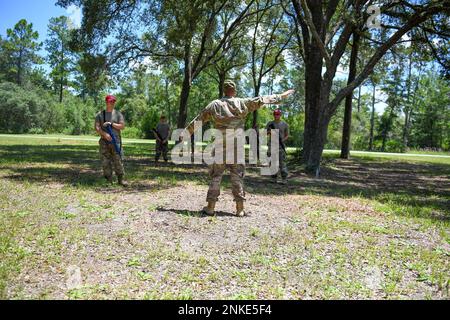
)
(110, 159)
(230, 112)
(162, 132)
(283, 136)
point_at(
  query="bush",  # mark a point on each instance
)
(149, 122)
(36, 131)
(133, 109)
(25, 109)
(394, 146)
(360, 142)
(79, 115)
(132, 133)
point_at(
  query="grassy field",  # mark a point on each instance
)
(373, 227)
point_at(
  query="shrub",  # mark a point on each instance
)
(24, 109)
(132, 133)
(149, 122)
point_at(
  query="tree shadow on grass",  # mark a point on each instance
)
(414, 185)
(417, 187)
(80, 165)
(64, 154)
(143, 180)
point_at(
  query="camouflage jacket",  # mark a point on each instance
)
(230, 112)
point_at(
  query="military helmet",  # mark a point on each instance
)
(229, 84)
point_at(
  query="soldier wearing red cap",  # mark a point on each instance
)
(283, 136)
(109, 157)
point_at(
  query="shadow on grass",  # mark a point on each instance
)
(414, 189)
(80, 165)
(197, 214)
(419, 187)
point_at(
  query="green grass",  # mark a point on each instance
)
(375, 226)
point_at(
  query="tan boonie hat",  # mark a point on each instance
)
(228, 84)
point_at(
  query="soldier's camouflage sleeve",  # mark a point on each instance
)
(204, 117)
(253, 104)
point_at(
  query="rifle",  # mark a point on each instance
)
(157, 134)
(114, 141)
(272, 126)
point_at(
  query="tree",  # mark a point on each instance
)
(233, 56)
(28, 110)
(20, 49)
(431, 121)
(3, 59)
(181, 30)
(358, 28)
(325, 43)
(373, 81)
(345, 148)
(92, 76)
(60, 57)
(270, 39)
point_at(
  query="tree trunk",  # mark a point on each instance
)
(255, 113)
(408, 105)
(312, 143)
(186, 89)
(255, 120)
(345, 148)
(166, 87)
(19, 69)
(61, 88)
(387, 129)
(317, 138)
(222, 77)
(372, 119)
(359, 98)
(406, 129)
(61, 85)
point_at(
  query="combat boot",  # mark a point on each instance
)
(209, 210)
(240, 209)
(122, 182)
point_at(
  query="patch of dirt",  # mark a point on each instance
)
(295, 243)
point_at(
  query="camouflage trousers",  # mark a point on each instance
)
(110, 160)
(161, 148)
(237, 173)
(282, 165)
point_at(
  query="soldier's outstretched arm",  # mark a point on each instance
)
(204, 117)
(258, 102)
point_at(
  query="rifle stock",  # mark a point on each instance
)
(114, 141)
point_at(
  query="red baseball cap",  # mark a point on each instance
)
(277, 112)
(110, 98)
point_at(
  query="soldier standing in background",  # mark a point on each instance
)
(109, 157)
(162, 133)
(230, 113)
(283, 136)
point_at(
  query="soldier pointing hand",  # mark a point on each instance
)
(230, 112)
